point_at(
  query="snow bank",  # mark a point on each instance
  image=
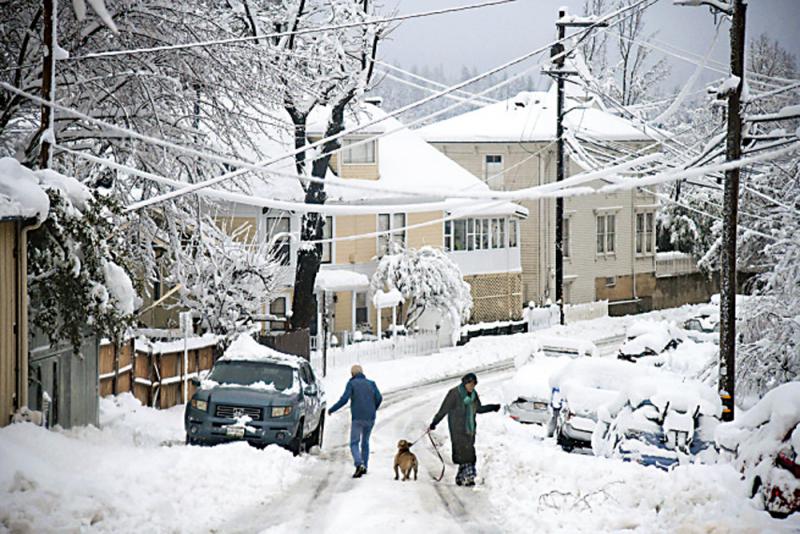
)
(20, 193)
(132, 471)
(77, 193)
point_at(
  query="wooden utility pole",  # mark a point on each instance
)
(736, 10)
(727, 303)
(559, 64)
(49, 41)
(557, 52)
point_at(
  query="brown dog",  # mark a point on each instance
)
(405, 460)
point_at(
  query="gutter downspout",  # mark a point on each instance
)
(22, 313)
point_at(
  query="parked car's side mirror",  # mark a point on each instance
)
(310, 390)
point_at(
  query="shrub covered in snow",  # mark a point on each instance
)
(427, 279)
(77, 275)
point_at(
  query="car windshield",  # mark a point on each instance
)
(249, 373)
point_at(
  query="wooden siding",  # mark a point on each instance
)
(343, 310)
(358, 250)
(8, 319)
(231, 224)
(431, 234)
(360, 171)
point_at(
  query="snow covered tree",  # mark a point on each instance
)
(629, 75)
(226, 280)
(428, 280)
(330, 68)
(78, 278)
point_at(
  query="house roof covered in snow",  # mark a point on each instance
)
(405, 163)
(530, 116)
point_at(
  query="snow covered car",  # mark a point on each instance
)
(260, 395)
(658, 421)
(649, 338)
(528, 393)
(704, 326)
(764, 443)
(579, 389)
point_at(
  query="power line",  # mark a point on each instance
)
(332, 27)
(194, 187)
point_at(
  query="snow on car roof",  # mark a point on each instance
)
(245, 348)
(779, 407)
(602, 373)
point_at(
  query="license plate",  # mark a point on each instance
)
(234, 432)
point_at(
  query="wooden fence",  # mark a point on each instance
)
(154, 372)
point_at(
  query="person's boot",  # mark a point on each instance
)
(469, 482)
(360, 470)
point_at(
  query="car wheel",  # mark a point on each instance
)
(319, 432)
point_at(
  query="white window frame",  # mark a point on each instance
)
(486, 174)
(565, 241)
(607, 237)
(285, 243)
(347, 152)
(394, 236)
(328, 231)
(646, 233)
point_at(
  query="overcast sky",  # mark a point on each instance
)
(489, 36)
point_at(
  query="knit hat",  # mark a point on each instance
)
(469, 377)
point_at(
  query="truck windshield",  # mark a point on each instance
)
(249, 373)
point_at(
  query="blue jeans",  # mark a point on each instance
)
(359, 441)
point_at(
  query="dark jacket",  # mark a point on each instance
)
(364, 398)
(456, 411)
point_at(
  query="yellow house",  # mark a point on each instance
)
(382, 198)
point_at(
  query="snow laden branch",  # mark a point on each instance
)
(428, 280)
(227, 280)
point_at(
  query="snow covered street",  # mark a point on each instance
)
(136, 470)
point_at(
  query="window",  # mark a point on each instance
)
(448, 236)
(606, 233)
(471, 234)
(326, 249)
(611, 281)
(645, 233)
(281, 249)
(362, 311)
(485, 234)
(362, 154)
(278, 308)
(565, 238)
(460, 235)
(512, 233)
(501, 242)
(395, 224)
(494, 166)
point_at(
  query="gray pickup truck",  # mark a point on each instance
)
(258, 395)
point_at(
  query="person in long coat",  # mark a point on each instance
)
(461, 405)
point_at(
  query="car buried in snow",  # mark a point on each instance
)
(528, 392)
(649, 338)
(659, 421)
(579, 389)
(259, 395)
(764, 445)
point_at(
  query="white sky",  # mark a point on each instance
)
(487, 37)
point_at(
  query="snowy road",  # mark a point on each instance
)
(329, 500)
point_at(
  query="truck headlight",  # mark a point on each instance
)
(200, 405)
(281, 411)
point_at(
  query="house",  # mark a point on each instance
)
(23, 205)
(363, 223)
(609, 239)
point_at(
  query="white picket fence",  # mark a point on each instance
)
(378, 351)
(586, 311)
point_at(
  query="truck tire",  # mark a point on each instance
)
(297, 445)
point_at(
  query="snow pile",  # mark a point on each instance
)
(567, 345)
(131, 471)
(387, 299)
(20, 193)
(532, 380)
(649, 336)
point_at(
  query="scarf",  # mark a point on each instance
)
(469, 401)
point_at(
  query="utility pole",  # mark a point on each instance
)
(46, 130)
(736, 10)
(557, 52)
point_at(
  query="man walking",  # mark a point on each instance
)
(460, 405)
(364, 400)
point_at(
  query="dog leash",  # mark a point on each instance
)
(439, 454)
